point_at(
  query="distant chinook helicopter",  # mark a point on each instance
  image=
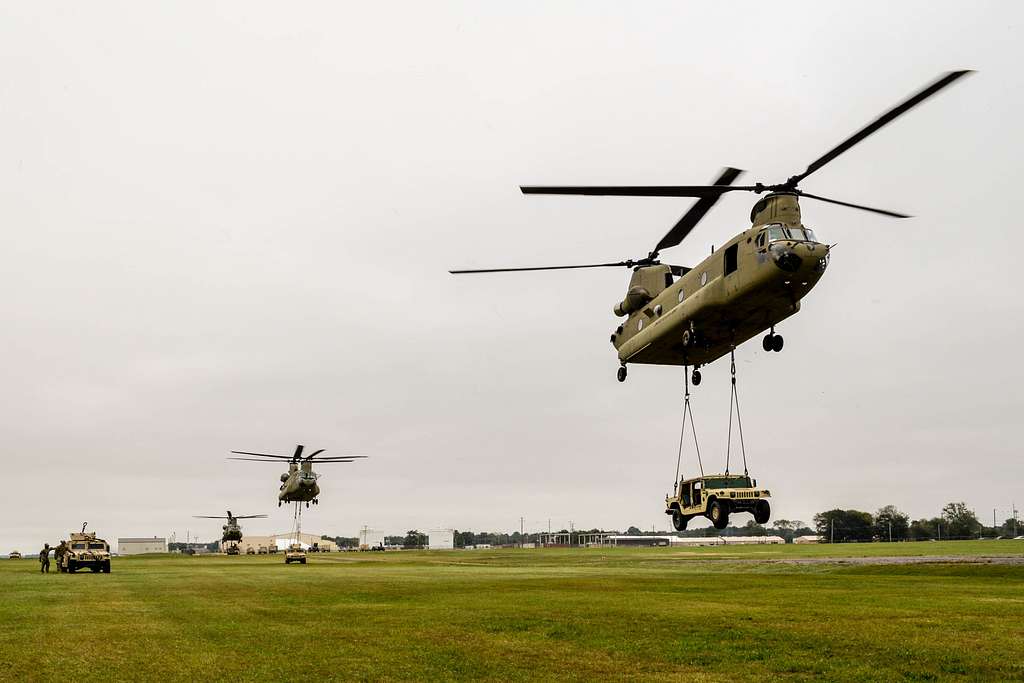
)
(232, 530)
(298, 484)
(751, 284)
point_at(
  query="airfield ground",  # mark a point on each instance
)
(845, 612)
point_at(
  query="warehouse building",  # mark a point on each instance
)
(141, 546)
(441, 539)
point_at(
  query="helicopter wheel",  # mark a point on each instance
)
(777, 343)
(766, 343)
(695, 377)
(621, 374)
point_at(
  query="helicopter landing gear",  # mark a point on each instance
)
(695, 377)
(621, 374)
(772, 341)
(278, 503)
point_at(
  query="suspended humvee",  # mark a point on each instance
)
(715, 497)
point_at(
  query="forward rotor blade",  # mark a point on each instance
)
(249, 516)
(314, 454)
(260, 460)
(855, 206)
(639, 190)
(347, 458)
(881, 121)
(208, 517)
(264, 455)
(620, 264)
(690, 219)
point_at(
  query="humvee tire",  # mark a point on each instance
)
(762, 512)
(718, 513)
(106, 567)
(679, 520)
(72, 567)
(303, 561)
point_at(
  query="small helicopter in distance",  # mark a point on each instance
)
(298, 484)
(751, 284)
(232, 530)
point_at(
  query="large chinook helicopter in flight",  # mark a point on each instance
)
(299, 483)
(232, 530)
(691, 316)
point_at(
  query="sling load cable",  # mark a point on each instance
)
(735, 399)
(682, 432)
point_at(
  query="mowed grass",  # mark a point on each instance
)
(702, 614)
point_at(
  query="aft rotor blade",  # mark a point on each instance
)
(620, 264)
(208, 517)
(855, 206)
(314, 454)
(639, 190)
(341, 458)
(690, 219)
(885, 118)
(249, 516)
(298, 452)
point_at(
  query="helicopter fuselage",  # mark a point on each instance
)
(753, 282)
(299, 485)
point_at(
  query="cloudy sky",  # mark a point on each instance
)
(229, 225)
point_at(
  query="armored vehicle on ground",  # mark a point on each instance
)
(231, 549)
(294, 554)
(262, 550)
(250, 551)
(85, 551)
(716, 496)
(15, 555)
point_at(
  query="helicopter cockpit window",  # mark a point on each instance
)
(776, 232)
(760, 240)
(810, 235)
(796, 233)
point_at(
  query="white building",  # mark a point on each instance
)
(441, 539)
(807, 539)
(370, 538)
(140, 546)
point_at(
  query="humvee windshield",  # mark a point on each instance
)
(78, 546)
(727, 483)
(97, 546)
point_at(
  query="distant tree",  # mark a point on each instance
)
(1011, 527)
(752, 528)
(923, 529)
(464, 539)
(959, 522)
(782, 524)
(844, 525)
(414, 539)
(890, 520)
(633, 531)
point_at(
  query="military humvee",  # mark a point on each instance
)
(716, 496)
(85, 551)
(250, 551)
(294, 554)
(231, 549)
(15, 555)
(262, 550)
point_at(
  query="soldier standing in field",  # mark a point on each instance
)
(58, 553)
(44, 559)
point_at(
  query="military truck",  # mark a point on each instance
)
(85, 551)
(294, 554)
(15, 555)
(716, 496)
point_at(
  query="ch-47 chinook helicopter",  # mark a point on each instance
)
(298, 484)
(232, 530)
(753, 282)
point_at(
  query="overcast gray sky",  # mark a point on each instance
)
(228, 226)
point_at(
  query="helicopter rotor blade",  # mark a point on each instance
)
(690, 219)
(264, 455)
(298, 452)
(314, 454)
(854, 206)
(208, 517)
(262, 460)
(885, 118)
(249, 516)
(619, 264)
(640, 190)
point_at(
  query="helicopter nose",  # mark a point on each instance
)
(786, 257)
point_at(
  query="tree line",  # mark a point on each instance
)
(956, 521)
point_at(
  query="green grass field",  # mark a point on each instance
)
(703, 614)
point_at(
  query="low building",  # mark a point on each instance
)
(141, 546)
(441, 539)
(281, 542)
(807, 539)
(660, 541)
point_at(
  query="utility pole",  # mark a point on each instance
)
(520, 532)
(994, 522)
(832, 530)
(890, 531)
(940, 530)
(570, 533)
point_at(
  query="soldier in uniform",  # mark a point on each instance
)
(58, 553)
(44, 559)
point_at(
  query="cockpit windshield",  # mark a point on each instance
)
(778, 232)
